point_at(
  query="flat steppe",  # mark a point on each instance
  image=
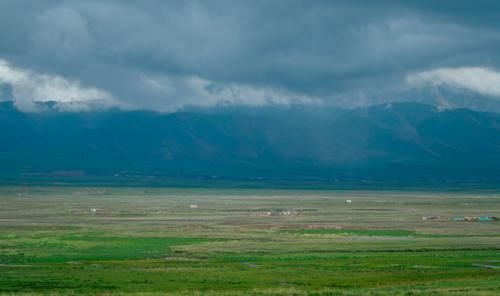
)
(157, 241)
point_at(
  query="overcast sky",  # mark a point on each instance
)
(164, 55)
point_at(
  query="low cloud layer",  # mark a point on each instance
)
(475, 79)
(28, 88)
(179, 92)
(164, 55)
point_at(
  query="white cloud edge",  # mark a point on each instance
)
(481, 80)
(30, 88)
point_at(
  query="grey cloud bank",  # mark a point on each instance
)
(164, 55)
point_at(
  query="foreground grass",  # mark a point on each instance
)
(152, 243)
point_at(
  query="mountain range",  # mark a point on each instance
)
(396, 141)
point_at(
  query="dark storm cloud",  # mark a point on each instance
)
(167, 54)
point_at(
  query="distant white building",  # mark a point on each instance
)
(348, 201)
(193, 206)
(289, 213)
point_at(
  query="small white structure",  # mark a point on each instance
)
(289, 213)
(348, 201)
(265, 214)
(93, 210)
(193, 206)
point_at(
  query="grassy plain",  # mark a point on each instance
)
(149, 241)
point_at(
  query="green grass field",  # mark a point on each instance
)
(237, 242)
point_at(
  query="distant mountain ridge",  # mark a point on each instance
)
(391, 141)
